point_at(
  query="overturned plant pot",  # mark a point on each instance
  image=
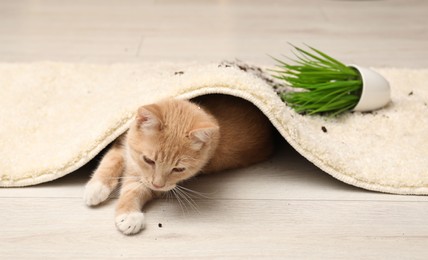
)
(376, 92)
(326, 86)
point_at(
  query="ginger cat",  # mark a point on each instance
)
(172, 141)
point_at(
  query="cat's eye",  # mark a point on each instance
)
(148, 161)
(178, 169)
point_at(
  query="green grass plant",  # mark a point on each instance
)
(323, 85)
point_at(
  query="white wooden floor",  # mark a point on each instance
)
(283, 208)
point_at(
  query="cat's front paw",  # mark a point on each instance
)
(95, 193)
(130, 223)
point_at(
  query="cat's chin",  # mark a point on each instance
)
(163, 189)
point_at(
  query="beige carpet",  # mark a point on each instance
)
(55, 117)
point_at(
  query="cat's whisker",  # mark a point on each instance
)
(178, 200)
(192, 203)
(184, 200)
(186, 203)
(166, 195)
(196, 193)
(187, 198)
(171, 195)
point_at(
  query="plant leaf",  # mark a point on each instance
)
(324, 84)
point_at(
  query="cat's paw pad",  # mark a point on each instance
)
(95, 193)
(130, 223)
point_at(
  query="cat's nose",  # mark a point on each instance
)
(158, 186)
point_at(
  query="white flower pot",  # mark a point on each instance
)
(376, 92)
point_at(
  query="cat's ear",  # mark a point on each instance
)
(148, 118)
(202, 135)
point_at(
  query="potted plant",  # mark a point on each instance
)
(327, 86)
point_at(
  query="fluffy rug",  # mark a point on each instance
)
(55, 117)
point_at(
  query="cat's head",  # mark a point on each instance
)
(169, 142)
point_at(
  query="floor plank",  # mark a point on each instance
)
(371, 33)
(240, 228)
